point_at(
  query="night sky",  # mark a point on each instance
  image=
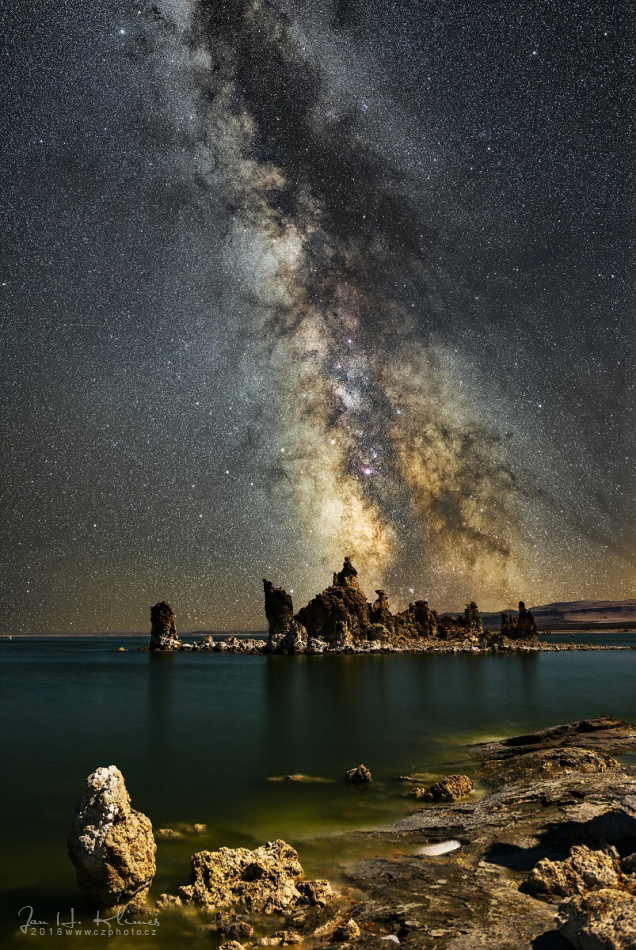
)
(284, 281)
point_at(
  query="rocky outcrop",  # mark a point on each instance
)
(267, 880)
(520, 626)
(341, 620)
(340, 615)
(163, 633)
(545, 764)
(111, 845)
(472, 619)
(346, 930)
(359, 776)
(279, 609)
(232, 927)
(316, 893)
(602, 920)
(601, 735)
(584, 870)
(449, 789)
(471, 897)
(205, 644)
(239, 645)
(286, 633)
(380, 612)
(575, 832)
(628, 865)
(418, 620)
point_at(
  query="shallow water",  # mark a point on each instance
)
(197, 737)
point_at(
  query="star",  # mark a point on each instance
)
(265, 250)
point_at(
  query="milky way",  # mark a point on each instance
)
(412, 340)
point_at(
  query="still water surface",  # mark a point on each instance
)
(199, 736)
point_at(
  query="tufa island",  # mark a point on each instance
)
(342, 620)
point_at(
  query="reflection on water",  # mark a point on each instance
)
(160, 717)
(198, 735)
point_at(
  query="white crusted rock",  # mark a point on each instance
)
(111, 845)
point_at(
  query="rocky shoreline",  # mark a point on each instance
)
(255, 647)
(545, 858)
(341, 620)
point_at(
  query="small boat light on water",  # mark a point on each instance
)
(439, 847)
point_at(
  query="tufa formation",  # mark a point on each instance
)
(341, 620)
(519, 627)
(163, 633)
(267, 880)
(111, 845)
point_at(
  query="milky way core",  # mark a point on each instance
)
(389, 280)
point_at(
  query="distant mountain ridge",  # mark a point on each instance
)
(576, 614)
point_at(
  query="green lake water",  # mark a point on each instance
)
(199, 737)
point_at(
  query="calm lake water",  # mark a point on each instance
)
(200, 736)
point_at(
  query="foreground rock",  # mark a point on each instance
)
(545, 764)
(267, 880)
(569, 831)
(449, 789)
(584, 870)
(111, 845)
(346, 930)
(603, 734)
(604, 920)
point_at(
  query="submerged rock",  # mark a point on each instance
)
(449, 789)
(602, 920)
(300, 778)
(111, 845)
(266, 880)
(163, 633)
(359, 776)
